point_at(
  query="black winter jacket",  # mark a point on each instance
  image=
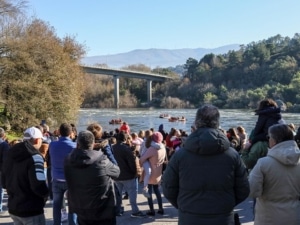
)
(206, 179)
(91, 193)
(126, 161)
(266, 118)
(24, 179)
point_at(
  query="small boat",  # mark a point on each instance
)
(164, 116)
(173, 119)
(177, 119)
(116, 121)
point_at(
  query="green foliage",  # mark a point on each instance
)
(237, 79)
(41, 76)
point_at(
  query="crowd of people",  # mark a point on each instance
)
(203, 173)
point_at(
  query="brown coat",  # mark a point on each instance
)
(156, 158)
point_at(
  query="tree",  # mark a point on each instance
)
(41, 76)
(191, 66)
(11, 8)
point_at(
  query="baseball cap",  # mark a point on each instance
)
(32, 132)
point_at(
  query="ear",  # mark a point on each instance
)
(35, 141)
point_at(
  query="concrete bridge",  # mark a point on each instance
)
(126, 73)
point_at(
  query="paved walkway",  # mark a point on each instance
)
(169, 218)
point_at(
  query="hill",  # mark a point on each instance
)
(156, 57)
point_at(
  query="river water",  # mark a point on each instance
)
(143, 119)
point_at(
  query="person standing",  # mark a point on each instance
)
(89, 175)
(206, 179)
(101, 144)
(275, 180)
(4, 146)
(128, 174)
(58, 151)
(24, 179)
(125, 127)
(155, 155)
(268, 114)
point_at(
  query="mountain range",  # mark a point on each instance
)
(153, 58)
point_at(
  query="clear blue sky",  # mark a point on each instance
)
(117, 26)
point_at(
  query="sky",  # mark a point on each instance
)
(109, 27)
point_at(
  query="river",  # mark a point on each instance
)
(143, 119)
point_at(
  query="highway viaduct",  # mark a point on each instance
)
(126, 73)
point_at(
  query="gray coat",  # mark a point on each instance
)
(275, 182)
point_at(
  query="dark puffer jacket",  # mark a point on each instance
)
(206, 179)
(91, 191)
(126, 161)
(23, 177)
(266, 118)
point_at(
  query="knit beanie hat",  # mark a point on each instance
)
(157, 137)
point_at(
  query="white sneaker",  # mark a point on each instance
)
(64, 216)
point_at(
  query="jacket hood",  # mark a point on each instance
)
(207, 141)
(157, 145)
(83, 158)
(268, 111)
(22, 151)
(161, 127)
(286, 152)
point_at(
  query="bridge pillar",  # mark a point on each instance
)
(117, 99)
(149, 90)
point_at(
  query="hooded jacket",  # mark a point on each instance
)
(275, 182)
(91, 193)
(266, 118)
(23, 178)
(126, 161)
(206, 179)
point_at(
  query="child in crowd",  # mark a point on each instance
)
(146, 165)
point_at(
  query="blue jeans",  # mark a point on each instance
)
(59, 188)
(132, 189)
(32, 220)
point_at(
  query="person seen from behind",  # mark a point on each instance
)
(125, 128)
(4, 146)
(155, 155)
(100, 143)
(127, 179)
(146, 165)
(275, 180)
(268, 114)
(58, 151)
(206, 179)
(241, 132)
(89, 175)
